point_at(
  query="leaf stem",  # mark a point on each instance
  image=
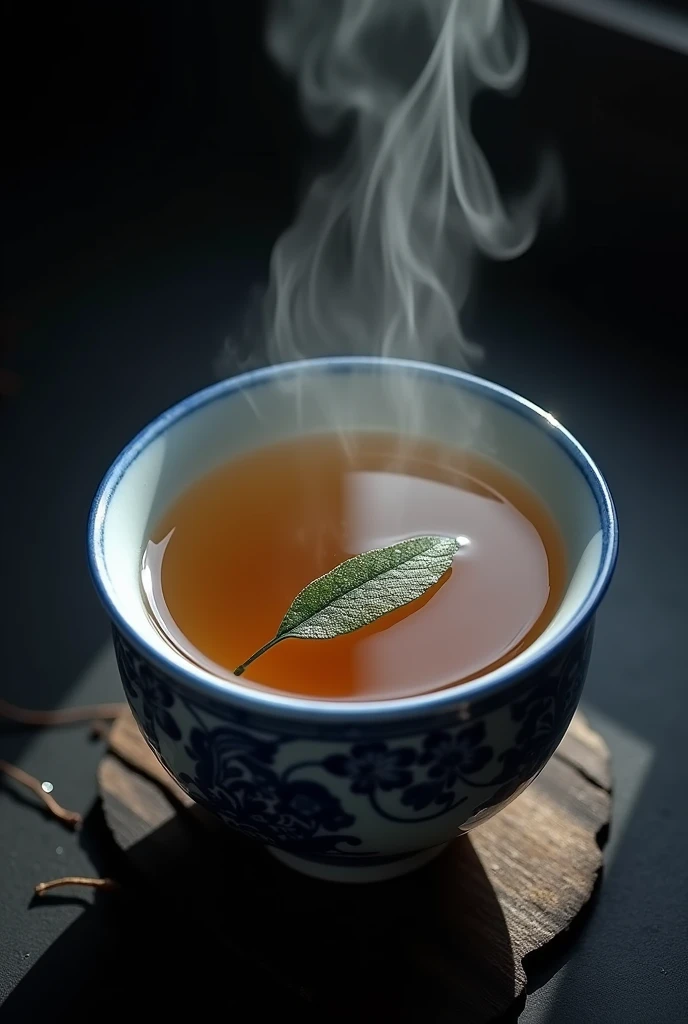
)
(239, 671)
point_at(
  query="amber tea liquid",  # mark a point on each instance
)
(227, 559)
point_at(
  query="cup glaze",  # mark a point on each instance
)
(344, 790)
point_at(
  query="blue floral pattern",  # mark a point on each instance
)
(149, 690)
(253, 773)
(450, 758)
(234, 775)
(372, 766)
(544, 715)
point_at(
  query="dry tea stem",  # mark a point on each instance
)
(70, 818)
(61, 716)
(41, 719)
(108, 884)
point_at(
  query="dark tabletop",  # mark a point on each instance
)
(125, 270)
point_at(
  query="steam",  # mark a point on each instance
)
(379, 259)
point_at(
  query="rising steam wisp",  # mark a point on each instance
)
(379, 258)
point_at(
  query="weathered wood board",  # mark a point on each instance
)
(445, 943)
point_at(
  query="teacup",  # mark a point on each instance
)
(343, 790)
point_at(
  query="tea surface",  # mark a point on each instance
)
(227, 559)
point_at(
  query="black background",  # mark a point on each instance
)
(151, 157)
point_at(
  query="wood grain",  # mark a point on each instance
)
(445, 943)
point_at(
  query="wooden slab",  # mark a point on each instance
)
(445, 943)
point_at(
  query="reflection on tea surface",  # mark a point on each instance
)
(226, 561)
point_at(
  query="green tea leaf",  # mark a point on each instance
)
(362, 589)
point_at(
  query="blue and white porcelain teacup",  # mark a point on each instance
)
(343, 790)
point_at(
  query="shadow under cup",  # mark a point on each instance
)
(352, 790)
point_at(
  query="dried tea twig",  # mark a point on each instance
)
(61, 716)
(108, 884)
(101, 727)
(96, 713)
(70, 818)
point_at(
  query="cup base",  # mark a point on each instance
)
(360, 872)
